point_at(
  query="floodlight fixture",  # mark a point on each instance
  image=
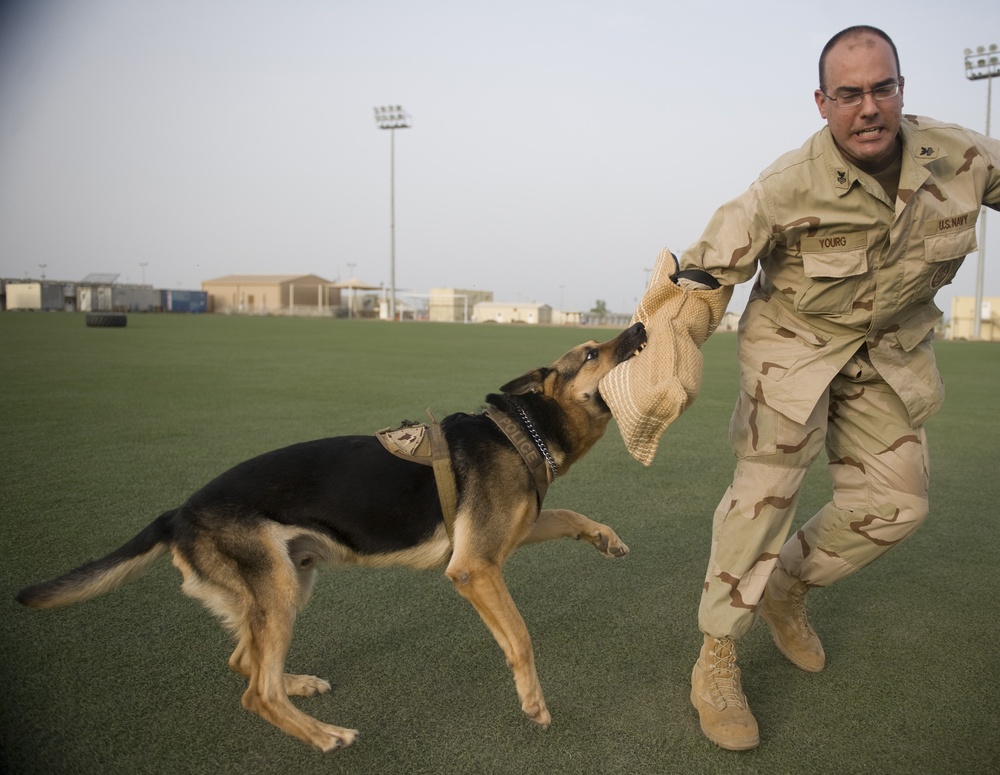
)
(392, 117)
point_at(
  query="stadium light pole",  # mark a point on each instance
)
(392, 118)
(350, 276)
(979, 65)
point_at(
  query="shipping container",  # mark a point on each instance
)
(184, 301)
(134, 298)
(93, 298)
(53, 296)
(24, 296)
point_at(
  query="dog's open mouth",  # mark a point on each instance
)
(637, 350)
(633, 342)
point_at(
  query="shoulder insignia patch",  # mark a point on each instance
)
(410, 441)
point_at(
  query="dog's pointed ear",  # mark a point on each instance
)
(527, 383)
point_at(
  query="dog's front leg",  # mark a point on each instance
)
(481, 583)
(563, 523)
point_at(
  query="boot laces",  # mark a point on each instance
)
(797, 602)
(724, 675)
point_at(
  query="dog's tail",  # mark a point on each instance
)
(94, 578)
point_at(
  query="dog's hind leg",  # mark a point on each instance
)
(267, 695)
(563, 523)
(226, 597)
(295, 685)
(257, 597)
(269, 623)
(481, 583)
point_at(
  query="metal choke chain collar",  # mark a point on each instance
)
(538, 441)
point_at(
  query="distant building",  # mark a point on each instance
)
(43, 295)
(96, 293)
(505, 312)
(453, 305)
(567, 317)
(272, 294)
(730, 321)
(963, 318)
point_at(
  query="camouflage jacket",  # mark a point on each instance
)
(843, 267)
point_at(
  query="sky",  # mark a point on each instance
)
(555, 147)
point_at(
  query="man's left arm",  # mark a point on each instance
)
(989, 150)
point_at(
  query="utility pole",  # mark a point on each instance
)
(392, 118)
(979, 65)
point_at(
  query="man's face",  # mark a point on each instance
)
(865, 133)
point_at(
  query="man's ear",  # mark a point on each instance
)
(820, 102)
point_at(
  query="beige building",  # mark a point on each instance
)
(505, 312)
(567, 317)
(962, 325)
(272, 294)
(454, 305)
(730, 321)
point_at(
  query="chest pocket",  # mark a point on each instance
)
(945, 247)
(833, 273)
(943, 244)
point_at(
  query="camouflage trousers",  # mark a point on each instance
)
(878, 463)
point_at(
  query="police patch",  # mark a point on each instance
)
(943, 274)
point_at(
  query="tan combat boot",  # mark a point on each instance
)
(784, 609)
(718, 697)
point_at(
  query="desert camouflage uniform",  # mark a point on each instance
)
(835, 351)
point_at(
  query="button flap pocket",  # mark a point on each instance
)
(945, 245)
(835, 256)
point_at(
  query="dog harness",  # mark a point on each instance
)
(426, 444)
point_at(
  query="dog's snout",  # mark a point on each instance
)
(636, 335)
(630, 342)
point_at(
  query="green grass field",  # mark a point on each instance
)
(103, 429)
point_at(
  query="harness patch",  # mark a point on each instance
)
(410, 441)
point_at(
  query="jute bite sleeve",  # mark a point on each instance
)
(650, 391)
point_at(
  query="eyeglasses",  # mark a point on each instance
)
(855, 98)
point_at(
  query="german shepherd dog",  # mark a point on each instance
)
(249, 542)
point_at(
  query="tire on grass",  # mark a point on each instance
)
(106, 320)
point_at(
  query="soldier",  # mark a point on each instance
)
(853, 235)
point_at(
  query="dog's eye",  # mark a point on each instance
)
(591, 354)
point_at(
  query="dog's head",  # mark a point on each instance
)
(574, 378)
(565, 397)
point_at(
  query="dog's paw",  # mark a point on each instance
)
(539, 714)
(305, 685)
(608, 543)
(334, 738)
